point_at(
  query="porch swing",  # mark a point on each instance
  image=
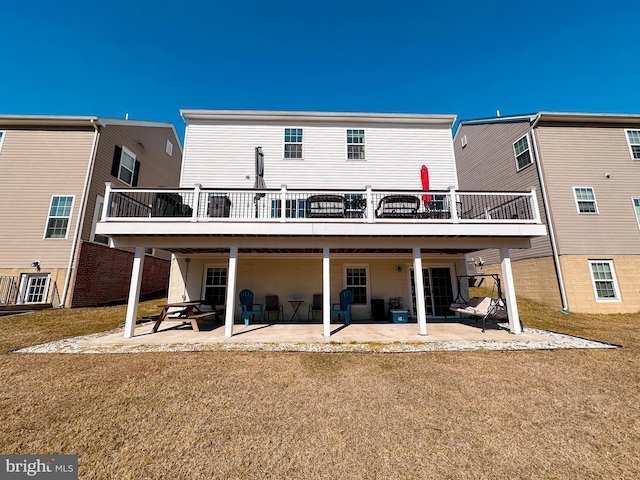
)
(493, 307)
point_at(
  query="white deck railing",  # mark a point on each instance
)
(367, 205)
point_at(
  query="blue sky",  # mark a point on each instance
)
(470, 58)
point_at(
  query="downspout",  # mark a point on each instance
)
(81, 211)
(547, 210)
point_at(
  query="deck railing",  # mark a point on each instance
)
(295, 205)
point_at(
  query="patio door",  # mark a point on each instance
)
(438, 291)
(34, 288)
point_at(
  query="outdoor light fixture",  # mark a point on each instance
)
(36, 264)
(399, 268)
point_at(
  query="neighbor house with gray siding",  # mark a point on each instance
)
(586, 168)
(304, 204)
(52, 175)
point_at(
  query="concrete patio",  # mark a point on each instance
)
(453, 335)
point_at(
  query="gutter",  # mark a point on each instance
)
(81, 211)
(552, 235)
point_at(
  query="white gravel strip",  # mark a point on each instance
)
(554, 341)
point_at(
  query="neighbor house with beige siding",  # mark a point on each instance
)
(310, 204)
(586, 168)
(52, 175)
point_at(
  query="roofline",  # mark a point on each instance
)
(325, 117)
(559, 117)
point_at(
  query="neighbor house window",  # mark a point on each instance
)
(59, 216)
(633, 138)
(1, 139)
(356, 281)
(522, 152)
(355, 144)
(292, 143)
(636, 208)
(585, 200)
(604, 280)
(169, 148)
(125, 166)
(215, 285)
(97, 213)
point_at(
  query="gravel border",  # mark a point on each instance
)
(554, 341)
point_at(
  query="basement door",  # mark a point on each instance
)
(438, 291)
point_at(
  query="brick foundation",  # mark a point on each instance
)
(102, 275)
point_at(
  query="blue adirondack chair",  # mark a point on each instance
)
(344, 307)
(249, 309)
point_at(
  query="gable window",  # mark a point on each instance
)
(604, 281)
(356, 280)
(292, 143)
(633, 139)
(215, 285)
(585, 200)
(355, 144)
(59, 216)
(522, 152)
(125, 167)
(1, 139)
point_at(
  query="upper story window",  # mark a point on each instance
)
(292, 143)
(585, 200)
(1, 139)
(59, 216)
(522, 152)
(355, 144)
(636, 208)
(604, 281)
(169, 148)
(125, 166)
(633, 139)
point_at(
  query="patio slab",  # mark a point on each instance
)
(365, 337)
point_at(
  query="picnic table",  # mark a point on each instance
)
(189, 312)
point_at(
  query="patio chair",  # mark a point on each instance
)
(271, 304)
(326, 206)
(315, 306)
(248, 310)
(344, 307)
(398, 206)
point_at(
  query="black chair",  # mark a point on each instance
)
(398, 206)
(219, 206)
(170, 205)
(326, 206)
(271, 304)
(315, 306)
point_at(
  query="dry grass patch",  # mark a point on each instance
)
(533, 414)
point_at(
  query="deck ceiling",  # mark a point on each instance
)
(314, 251)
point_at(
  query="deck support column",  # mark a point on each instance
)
(134, 292)
(419, 288)
(509, 292)
(326, 292)
(229, 310)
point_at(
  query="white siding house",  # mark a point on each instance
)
(356, 216)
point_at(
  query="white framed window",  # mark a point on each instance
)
(59, 216)
(356, 279)
(633, 140)
(97, 214)
(295, 208)
(636, 208)
(127, 166)
(149, 251)
(603, 277)
(1, 139)
(522, 152)
(355, 144)
(293, 143)
(214, 284)
(585, 200)
(34, 287)
(169, 148)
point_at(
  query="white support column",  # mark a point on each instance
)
(196, 203)
(453, 205)
(107, 201)
(369, 204)
(509, 292)
(326, 292)
(134, 293)
(419, 288)
(283, 203)
(229, 307)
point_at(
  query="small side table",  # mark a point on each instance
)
(295, 306)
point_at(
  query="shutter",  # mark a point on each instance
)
(136, 172)
(115, 166)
